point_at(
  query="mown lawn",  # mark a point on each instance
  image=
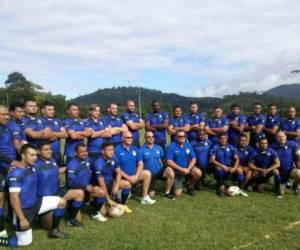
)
(205, 221)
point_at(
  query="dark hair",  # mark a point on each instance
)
(235, 106)
(192, 103)
(43, 143)
(79, 145)
(256, 103)
(25, 147)
(216, 107)
(272, 105)
(222, 134)
(29, 100)
(153, 102)
(176, 107)
(106, 144)
(243, 135)
(47, 103)
(263, 138)
(14, 105)
(72, 104)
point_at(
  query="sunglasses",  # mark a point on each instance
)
(150, 136)
(129, 137)
(181, 136)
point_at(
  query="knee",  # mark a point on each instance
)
(276, 172)
(170, 173)
(197, 172)
(79, 194)
(178, 192)
(146, 174)
(62, 203)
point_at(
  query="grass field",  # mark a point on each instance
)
(203, 222)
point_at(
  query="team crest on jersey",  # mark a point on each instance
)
(187, 150)
(81, 123)
(268, 154)
(246, 153)
(54, 164)
(160, 116)
(285, 147)
(101, 123)
(56, 123)
(157, 152)
(39, 121)
(147, 153)
(134, 152)
(227, 149)
(205, 143)
(176, 151)
(113, 162)
(87, 164)
(122, 154)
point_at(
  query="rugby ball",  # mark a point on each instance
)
(116, 211)
(233, 191)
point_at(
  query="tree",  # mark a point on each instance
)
(19, 88)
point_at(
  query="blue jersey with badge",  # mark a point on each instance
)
(127, 158)
(263, 159)
(104, 168)
(114, 121)
(271, 121)
(36, 124)
(157, 118)
(75, 125)
(56, 125)
(152, 157)
(224, 154)
(48, 177)
(233, 134)
(15, 129)
(178, 122)
(213, 122)
(94, 144)
(24, 181)
(6, 145)
(180, 155)
(254, 120)
(78, 173)
(245, 155)
(202, 152)
(134, 117)
(286, 153)
(194, 119)
(290, 125)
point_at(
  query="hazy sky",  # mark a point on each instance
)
(190, 47)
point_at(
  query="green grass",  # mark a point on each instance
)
(202, 222)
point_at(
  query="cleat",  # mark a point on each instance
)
(55, 233)
(99, 217)
(147, 200)
(169, 196)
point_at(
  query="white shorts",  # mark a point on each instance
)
(48, 203)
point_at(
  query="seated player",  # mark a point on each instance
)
(181, 158)
(24, 200)
(177, 122)
(132, 170)
(225, 160)
(289, 157)
(244, 152)
(202, 147)
(264, 163)
(152, 156)
(48, 173)
(78, 176)
(106, 175)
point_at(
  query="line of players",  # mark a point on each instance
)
(113, 161)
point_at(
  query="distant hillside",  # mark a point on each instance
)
(168, 100)
(286, 90)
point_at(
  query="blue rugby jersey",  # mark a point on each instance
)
(78, 173)
(152, 157)
(94, 144)
(134, 117)
(224, 154)
(263, 159)
(233, 134)
(212, 122)
(157, 118)
(202, 152)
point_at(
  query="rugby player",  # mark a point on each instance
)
(272, 123)
(177, 122)
(291, 125)
(237, 123)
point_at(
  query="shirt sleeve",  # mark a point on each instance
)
(261, 120)
(192, 152)
(71, 175)
(15, 181)
(98, 168)
(170, 153)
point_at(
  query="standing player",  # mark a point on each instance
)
(58, 130)
(202, 147)
(291, 125)
(216, 125)
(115, 124)
(237, 123)
(157, 121)
(225, 159)
(153, 156)
(289, 157)
(132, 168)
(255, 124)
(177, 122)
(24, 200)
(106, 175)
(133, 121)
(100, 131)
(16, 111)
(33, 126)
(272, 123)
(196, 120)
(244, 152)
(264, 163)
(76, 129)
(181, 158)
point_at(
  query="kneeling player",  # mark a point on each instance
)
(24, 200)
(289, 157)
(244, 152)
(202, 147)
(152, 156)
(106, 175)
(225, 159)
(264, 163)
(181, 158)
(48, 173)
(78, 176)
